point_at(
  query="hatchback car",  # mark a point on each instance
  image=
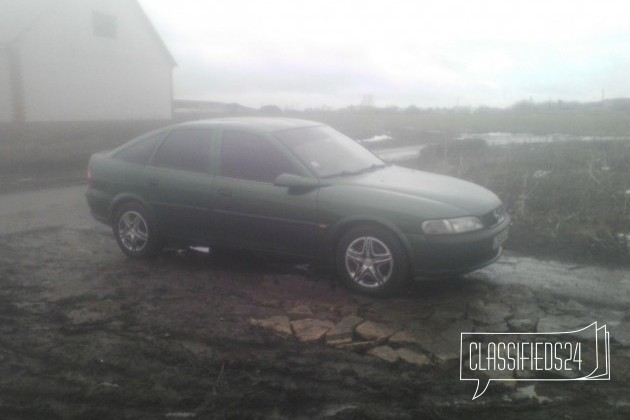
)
(297, 188)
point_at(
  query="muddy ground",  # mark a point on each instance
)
(88, 333)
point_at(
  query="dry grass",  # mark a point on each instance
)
(566, 199)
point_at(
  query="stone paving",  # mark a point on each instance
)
(426, 330)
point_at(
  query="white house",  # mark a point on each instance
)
(82, 60)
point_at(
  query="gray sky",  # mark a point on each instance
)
(296, 53)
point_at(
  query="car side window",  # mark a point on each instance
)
(140, 152)
(251, 157)
(186, 150)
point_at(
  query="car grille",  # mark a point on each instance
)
(494, 217)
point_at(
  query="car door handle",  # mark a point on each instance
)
(153, 183)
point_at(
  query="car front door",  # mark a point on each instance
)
(253, 213)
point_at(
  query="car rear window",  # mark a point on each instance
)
(187, 150)
(140, 152)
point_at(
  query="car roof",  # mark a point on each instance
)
(260, 124)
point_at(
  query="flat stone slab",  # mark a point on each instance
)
(300, 312)
(310, 330)
(444, 342)
(501, 327)
(504, 377)
(344, 328)
(356, 346)
(373, 331)
(405, 337)
(522, 325)
(621, 333)
(561, 323)
(526, 310)
(567, 374)
(385, 353)
(279, 325)
(488, 313)
(268, 302)
(339, 343)
(571, 306)
(348, 309)
(412, 357)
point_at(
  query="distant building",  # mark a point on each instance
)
(82, 60)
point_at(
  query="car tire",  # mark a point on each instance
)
(371, 260)
(135, 231)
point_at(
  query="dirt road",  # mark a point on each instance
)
(87, 333)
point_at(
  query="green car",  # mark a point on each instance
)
(296, 188)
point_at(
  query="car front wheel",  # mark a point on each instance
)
(371, 260)
(135, 231)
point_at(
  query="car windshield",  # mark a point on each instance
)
(328, 152)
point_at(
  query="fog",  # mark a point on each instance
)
(430, 53)
(329, 54)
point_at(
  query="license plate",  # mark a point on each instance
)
(499, 239)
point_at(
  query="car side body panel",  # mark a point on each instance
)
(266, 217)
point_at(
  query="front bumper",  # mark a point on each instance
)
(454, 255)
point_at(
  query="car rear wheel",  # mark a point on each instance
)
(135, 231)
(371, 260)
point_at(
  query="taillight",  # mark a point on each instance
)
(90, 180)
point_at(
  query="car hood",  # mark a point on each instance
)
(470, 198)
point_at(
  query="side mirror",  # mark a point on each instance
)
(296, 181)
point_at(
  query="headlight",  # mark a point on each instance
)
(446, 226)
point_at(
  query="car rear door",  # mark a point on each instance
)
(179, 186)
(250, 211)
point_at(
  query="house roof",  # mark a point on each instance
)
(17, 16)
(154, 32)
